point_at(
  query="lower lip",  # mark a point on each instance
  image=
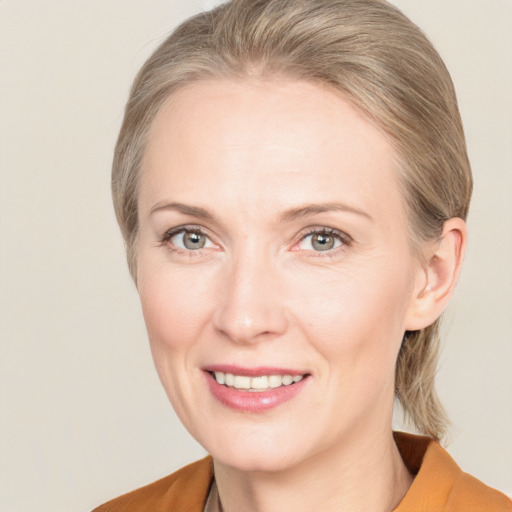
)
(257, 401)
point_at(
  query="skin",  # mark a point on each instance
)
(259, 293)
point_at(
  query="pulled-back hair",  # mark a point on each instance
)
(382, 63)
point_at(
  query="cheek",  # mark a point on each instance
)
(176, 304)
(176, 307)
(356, 314)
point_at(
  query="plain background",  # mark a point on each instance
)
(83, 416)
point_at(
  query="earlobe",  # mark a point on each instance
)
(438, 277)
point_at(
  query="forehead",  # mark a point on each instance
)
(273, 141)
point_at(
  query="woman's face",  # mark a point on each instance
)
(273, 247)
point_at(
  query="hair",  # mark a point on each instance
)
(382, 63)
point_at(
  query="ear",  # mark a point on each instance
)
(436, 279)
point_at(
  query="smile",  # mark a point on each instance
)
(259, 383)
(255, 390)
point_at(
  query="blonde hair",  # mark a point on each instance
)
(381, 62)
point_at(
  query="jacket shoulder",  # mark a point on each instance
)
(440, 485)
(185, 490)
(471, 495)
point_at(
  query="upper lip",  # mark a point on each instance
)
(252, 372)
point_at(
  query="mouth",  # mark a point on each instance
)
(254, 390)
(255, 384)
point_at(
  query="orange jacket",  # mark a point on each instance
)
(439, 486)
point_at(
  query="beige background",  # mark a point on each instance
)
(83, 417)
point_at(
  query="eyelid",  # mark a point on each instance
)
(193, 228)
(188, 228)
(341, 235)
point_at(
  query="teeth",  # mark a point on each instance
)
(287, 380)
(242, 382)
(260, 383)
(275, 381)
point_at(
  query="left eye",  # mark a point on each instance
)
(322, 241)
(191, 240)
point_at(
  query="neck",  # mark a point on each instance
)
(363, 474)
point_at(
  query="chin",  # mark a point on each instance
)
(256, 460)
(257, 449)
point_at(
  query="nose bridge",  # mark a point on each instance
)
(250, 305)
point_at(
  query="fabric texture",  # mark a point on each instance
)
(439, 486)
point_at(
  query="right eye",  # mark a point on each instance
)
(188, 240)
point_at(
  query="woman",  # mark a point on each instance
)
(291, 181)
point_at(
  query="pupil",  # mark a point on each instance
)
(323, 242)
(194, 240)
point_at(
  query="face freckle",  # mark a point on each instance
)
(301, 261)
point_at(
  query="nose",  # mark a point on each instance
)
(250, 305)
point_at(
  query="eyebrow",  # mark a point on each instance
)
(314, 209)
(287, 216)
(185, 209)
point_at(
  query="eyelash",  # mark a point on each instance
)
(342, 237)
(168, 235)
